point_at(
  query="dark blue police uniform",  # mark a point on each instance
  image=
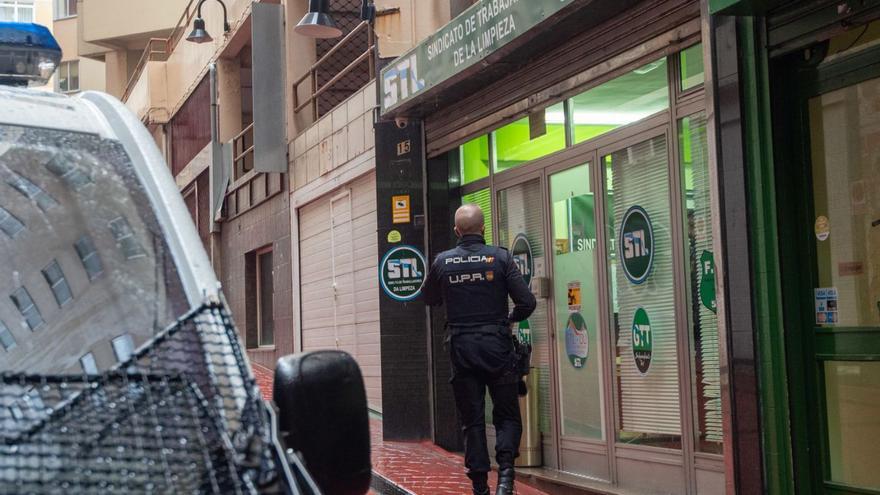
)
(475, 281)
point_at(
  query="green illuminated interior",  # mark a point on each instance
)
(692, 71)
(514, 146)
(475, 159)
(483, 199)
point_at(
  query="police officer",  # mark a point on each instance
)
(475, 280)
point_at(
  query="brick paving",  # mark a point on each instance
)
(425, 469)
(421, 468)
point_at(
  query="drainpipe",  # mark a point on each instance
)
(216, 179)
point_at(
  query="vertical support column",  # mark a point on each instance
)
(400, 216)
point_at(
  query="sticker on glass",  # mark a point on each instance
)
(524, 332)
(823, 230)
(577, 341)
(826, 306)
(642, 341)
(394, 237)
(707, 281)
(521, 251)
(636, 244)
(574, 296)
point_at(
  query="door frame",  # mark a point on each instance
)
(797, 245)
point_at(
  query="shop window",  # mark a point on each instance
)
(259, 300)
(7, 340)
(9, 224)
(532, 137)
(474, 160)
(65, 9)
(55, 278)
(692, 72)
(123, 347)
(88, 364)
(85, 248)
(16, 10)
(482, 198)
(22, 300)
(32, 191)
(68, 76)
(700, 260)
(642, 293)
(621, 101)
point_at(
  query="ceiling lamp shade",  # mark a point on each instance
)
(317, 22)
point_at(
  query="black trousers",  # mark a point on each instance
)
(481, 361)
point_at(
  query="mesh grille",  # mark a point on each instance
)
(346, 14)
(183, 415)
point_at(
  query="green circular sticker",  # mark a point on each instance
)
(636, 244)
(577, 341)
(402, 272)
(521, 251)
(642, 340)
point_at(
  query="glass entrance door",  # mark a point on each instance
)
(843, 233)
(521, 230)
(578, 342)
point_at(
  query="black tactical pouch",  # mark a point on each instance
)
(523, 356)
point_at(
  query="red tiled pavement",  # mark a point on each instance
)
(420, 467)
(423, 468)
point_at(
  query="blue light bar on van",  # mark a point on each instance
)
(29, 54)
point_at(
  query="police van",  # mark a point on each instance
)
(120, 367)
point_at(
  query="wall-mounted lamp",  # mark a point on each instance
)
(317, 22)
(199, 34)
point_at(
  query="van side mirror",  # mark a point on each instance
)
(322, 416)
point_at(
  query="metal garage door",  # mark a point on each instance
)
(339, 287)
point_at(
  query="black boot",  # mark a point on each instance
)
(480, 482)
(505, 481)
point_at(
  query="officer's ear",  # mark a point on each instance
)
(457, 232)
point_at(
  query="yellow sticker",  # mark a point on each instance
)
(823, 230)
(394, 237)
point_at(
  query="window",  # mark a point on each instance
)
(125, 239)
(10, 225)
(85, 248)
(65, 9)
(88, 364)
(68, 76)
(475, 159)
(55, 278)
(22, 300)
(123, 347)
(483, 199)
(32, 192)
(620, 101)
(692, 71)
(530, 138)
(7, 340)
(17, 10)
(260, 294)
(66, 166)
(706, 372)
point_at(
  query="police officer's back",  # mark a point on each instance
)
(475, 280)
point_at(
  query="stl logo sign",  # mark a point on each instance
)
(637, 244)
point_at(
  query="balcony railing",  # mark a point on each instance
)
(182, 25)
(316, 90)
(157, 49)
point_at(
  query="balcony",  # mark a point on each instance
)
(126, 24)
(342, 71)
(146, 91)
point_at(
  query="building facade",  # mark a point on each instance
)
(797, 161)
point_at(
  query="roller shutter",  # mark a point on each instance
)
(339, 287)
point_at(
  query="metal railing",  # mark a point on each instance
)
(157, 49)
(316, 90)
(243, 152)
(182, 25)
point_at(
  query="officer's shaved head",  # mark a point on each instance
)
(469, 220)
